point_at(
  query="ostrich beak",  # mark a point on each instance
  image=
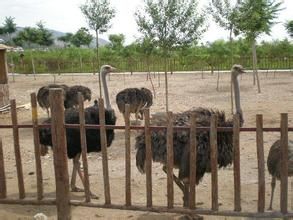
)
(113, 69)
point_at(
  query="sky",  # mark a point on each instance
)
(65, 16)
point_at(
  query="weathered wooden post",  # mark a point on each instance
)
(60, 154)
(4, 89)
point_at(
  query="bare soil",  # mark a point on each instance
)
(186, 90)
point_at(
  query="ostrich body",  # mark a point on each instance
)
(138, 99)
(71, 98)
(70, 95)
(92, 135)
(274, 164)
(181, 140)
(43, 95)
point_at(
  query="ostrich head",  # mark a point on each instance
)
(235, 72)
(106, 69)
(87, 94)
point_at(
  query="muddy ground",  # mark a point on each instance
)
(186, 90)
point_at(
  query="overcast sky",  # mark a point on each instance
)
(65, 16)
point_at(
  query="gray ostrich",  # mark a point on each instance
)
(274, 164)
(43, 95)
(70, 94)
(181, 141)
(138, 99)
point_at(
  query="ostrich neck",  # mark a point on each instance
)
(237, 95)
(106, 92)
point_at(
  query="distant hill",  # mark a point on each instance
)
(57, 34)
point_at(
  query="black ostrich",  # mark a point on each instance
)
(274, 164)
(92, 135)
(43, 95)
(71, 97)
(181, 141)
(138, 99)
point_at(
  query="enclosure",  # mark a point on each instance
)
(186, 90)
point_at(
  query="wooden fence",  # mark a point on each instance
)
(63, 201)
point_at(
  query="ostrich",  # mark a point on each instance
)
(181, 141)
(43, 95)
(274, 164)
(138, 99)
(92, 135)
(71, 97)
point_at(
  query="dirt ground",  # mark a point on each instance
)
(186, 90)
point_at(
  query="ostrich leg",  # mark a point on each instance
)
(273, 184)
(76, 166)
(176, 180)
(76, 169)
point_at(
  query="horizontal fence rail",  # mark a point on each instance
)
(63, 201)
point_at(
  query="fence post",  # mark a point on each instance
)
(127, 156)
(214, 162)
(84, 148)
(104, 152)
(60, 154)
(284, 164)
(3, 190)
(170, 160)
(236, 164)
(261, 165)
(148, 157)
(17, 150)
(192, 161)
(37, 146)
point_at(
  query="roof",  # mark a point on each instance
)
(4, 47)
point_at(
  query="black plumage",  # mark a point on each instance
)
(71, 97)
(181, 143)
(138, 99)
(73, 134)
(43, 95)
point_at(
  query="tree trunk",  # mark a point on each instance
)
(232, 62)
(4, 95)
(166, 84)
(255, 73)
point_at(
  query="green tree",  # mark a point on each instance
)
(116, 42)
(289, 27)
(98, 14)
(170, 24)
(45, 37)
(27, 37)
(9, 27)
(253, 18)
(66, 39)
(81, 37)
(223, 12)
